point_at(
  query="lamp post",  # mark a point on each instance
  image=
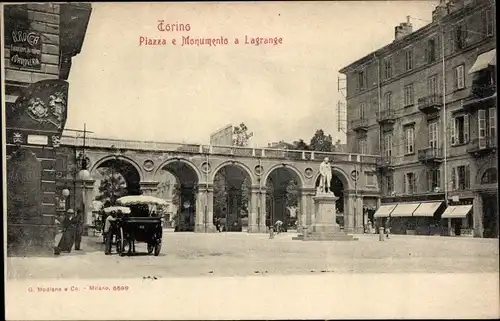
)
(65, 195)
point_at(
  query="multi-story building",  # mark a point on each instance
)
(40, 41)
(426, 103)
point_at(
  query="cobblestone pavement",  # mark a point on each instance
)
(242, 254)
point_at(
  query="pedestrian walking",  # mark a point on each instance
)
(387, 227)
(68, 234)
(271, 232)
(78, 229)
(108, 232)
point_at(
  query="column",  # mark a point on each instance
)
(253, 226)
(349, 202)
(308, 212)
(209, 224)
(477, 216)
(199, 225)
(262, 209)
(148, 188)
(302, 213)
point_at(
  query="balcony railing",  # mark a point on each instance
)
(484, 144)
(430, 154)
(480, 93)
(285, 154)
(385, 162)
(387, 116)
(360, 124)
(430, 104)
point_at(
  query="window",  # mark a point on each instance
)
(481, 125)
(408, 59)
(362, 146)
(388, 145)
(459, 37)
(389, 184)
(361, 80)
(409, 183)
(408, 95)
(371, 179)
(362, 108)
(459, 77)
(432, 85)
(387, 68)
(388, 100)
(433, 180)
(460, 130)
(460, 177)
(492, 122)
(431, 50)
(409, 136)
(433, 134)
(488, 22)
(490, 176)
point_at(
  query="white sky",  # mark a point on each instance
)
(183, 94)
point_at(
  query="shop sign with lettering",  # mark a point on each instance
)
(26, 49)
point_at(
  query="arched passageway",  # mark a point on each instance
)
(283, 191)
(178, 184)
(115, 178)
(337, 187)
(232, 189)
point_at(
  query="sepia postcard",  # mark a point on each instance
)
(250, 160)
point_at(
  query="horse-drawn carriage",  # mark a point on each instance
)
(132, 225)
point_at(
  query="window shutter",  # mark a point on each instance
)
(453, 124)
(438, 177)
(453, 178)
(466, 129)
(467, 176)
(405, 141)
(429, 180)
(405, 188)
(485, 23)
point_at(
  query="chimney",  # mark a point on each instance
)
(404, 29)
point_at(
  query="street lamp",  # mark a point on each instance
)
(65, 194)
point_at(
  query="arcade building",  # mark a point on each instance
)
(40, 42)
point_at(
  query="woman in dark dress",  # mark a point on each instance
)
(68, 237)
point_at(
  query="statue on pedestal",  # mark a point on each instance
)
(325, 171)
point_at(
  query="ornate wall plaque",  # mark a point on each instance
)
(148, 165)
(308, 172)
(205, 167)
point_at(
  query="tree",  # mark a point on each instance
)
(241, 135)
(300, 145)
(321, 142)
(112, 187)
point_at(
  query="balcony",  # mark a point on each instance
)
(430, 155)
(385, 163)
(481, 146)
(480, 95)
(359, 124)
(387, 116)
(430, 104)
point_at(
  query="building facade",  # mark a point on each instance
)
(426, 103)
(40, 41)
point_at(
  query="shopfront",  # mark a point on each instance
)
(458, 218)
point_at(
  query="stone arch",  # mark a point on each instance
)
(122, 158)
(340, 173)
(293, 168)
(489, 176)
(483, 168)
(240, 165)
(182, 160)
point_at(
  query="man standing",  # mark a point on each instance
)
(78, 229)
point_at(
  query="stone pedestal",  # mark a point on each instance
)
(84, 195)
(324, 227)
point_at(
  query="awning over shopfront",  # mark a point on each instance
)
(484, 60)
(427, 209)
(384, 210)
(459, 211)
(404, 209)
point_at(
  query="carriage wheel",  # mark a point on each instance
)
(151, 247)
(122, 243)
(157, 248)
